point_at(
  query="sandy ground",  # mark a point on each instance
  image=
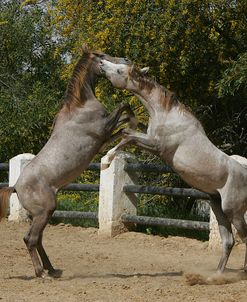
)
(129, 267)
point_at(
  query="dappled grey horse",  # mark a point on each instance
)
(82, 127)
(178, 137)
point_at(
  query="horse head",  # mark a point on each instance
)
(121, 72)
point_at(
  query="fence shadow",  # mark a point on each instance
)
(102, 276)
(124, 276)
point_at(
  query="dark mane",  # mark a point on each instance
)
(74, 96)
(168, 99)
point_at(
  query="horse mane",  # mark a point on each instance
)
(167, 98)
(74, 96)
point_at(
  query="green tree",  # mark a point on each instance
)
(188, 45)
(30, 85)
(196, 48)
(191, 47)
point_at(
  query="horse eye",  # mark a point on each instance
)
(118, 71)
(127, 61)
(99, 55)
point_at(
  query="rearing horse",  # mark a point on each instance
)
(178, 137)
(82, 127)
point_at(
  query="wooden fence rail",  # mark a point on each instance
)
(117, 203)
(75, 214)
(166, 222)
(4, 166)
(185, 192)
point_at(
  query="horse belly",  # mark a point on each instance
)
(203, 170)
(203, 183)
(61, 161)
(234, 192)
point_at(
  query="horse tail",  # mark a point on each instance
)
(4, 200)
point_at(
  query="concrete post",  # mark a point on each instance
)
(113, 202)
(16, 164)
(214, 235)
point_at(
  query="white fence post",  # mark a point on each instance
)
(16, 164)
(214, 234)
(113, 202)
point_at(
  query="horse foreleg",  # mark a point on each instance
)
(112, 139)
(225, 230)
(142, 140)
(132, 121)
(115, 119)
(133, 137)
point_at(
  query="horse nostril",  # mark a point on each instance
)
(101, 65)
(101, 68)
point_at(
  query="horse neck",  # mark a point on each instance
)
(79, 94)
(83, 88)
(87, 90)
(82, 83)
(149, 95)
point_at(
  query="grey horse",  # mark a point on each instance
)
(177, 136)
(81, 128)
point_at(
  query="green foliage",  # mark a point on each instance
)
(188, 45)
(234, 80)
(233, 92)
(195, 48)
(84, 202)
(166, 206)
(186, 42)
(30, 85)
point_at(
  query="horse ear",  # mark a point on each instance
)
(144, 70)
(85, 48)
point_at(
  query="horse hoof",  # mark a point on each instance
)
(125, 105)
(45, 276)
(104, 166)
(244, 269)
(56, 273)
(128, 131)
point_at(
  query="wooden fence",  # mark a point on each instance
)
(117, 202)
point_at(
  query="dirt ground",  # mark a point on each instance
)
(130, 267)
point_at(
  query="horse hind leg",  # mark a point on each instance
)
(225, 230)
(239, 223)
(55, 273)
(31, 240)
(41, 210)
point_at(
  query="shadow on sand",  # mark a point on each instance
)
(103, 276)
